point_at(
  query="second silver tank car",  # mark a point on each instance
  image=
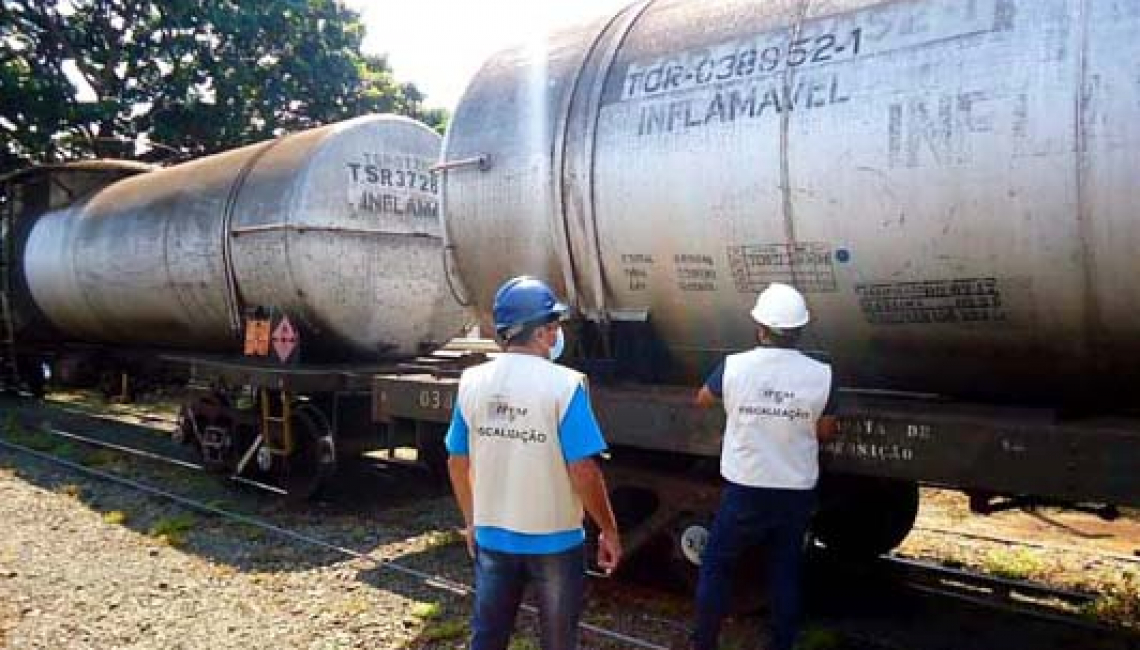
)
(338, 226)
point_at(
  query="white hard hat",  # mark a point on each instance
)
(781, 307)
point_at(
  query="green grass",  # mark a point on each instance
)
(441, 538)
(65, 450)
(197, 482)
(1118, 603)
(250, 533)
(115, 517)
(16, 433)
(99, 458)
(71, 490)
(426, 611)
(172, 530)
(523, 643)
(453, 628)
(819, 639)
(1013, 564)
(36, 440)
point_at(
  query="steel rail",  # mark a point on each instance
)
(141, 453)
(1021, 597)
(428, 579)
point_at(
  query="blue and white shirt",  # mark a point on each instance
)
(522, 419)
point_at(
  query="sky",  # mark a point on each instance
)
(440, 44)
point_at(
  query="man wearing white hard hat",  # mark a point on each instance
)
(779, 403)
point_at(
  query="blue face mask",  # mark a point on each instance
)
(559, 346)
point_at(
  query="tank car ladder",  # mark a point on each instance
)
(275, 431)
(277, 424)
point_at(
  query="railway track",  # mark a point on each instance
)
(430, 580)
(1019, 597)
(1045, 546)
(148, 455)
(119, 418)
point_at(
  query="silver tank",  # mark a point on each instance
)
(337, 226)
(953, 183)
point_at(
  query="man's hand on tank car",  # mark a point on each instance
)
(706, 399)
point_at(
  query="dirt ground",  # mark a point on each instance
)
(948, 509)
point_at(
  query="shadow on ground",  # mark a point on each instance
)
(363, 510)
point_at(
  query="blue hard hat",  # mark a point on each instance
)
(524, 301)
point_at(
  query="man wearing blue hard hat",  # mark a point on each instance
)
(522, 443)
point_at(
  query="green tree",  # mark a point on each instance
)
(82, 78)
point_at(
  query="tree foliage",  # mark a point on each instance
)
(83, 78)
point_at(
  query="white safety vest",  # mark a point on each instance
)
(772, 399)
(513, 406)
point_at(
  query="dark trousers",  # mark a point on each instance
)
(777, 519)
(558, 581)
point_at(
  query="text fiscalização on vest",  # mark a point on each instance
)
(522, 435)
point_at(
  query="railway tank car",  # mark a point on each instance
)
(951, 183)
(336, 226)
(280, 276)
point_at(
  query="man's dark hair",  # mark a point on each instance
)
(782, 338)
(524, 336)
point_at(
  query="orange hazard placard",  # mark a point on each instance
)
(256, 338)
(285, 339)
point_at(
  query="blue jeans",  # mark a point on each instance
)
(747, 517)
(558, 580)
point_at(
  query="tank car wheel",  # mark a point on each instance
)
(688, 537)
(680, 548)
(313, 462)
(862, 518)
(206, 424)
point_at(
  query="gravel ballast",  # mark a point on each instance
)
(71, 579)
